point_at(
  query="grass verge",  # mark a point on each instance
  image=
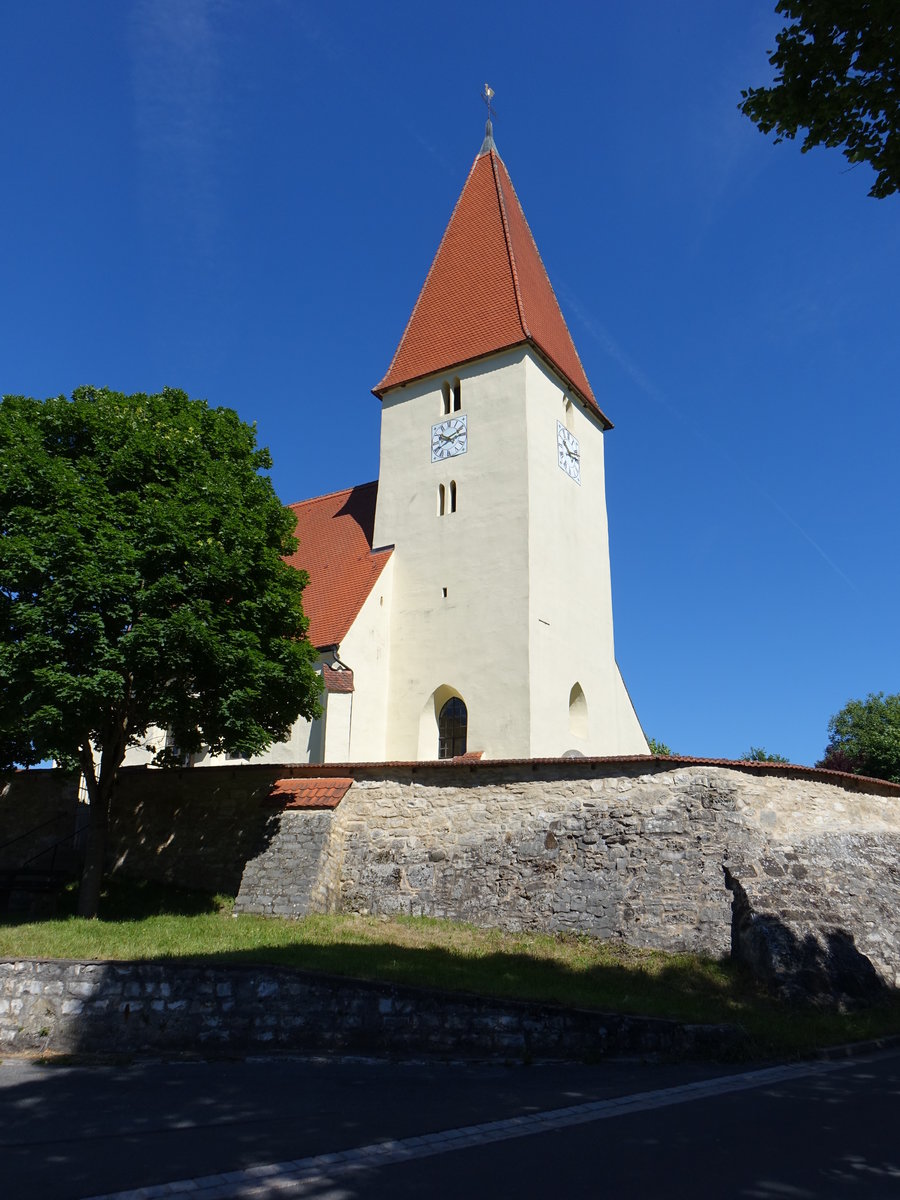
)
(147, 922)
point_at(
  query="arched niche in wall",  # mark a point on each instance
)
(578, 712)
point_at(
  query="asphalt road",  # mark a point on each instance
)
(455, 1130)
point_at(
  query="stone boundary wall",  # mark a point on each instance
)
(109, 1007)
(637, 854)
(37, 809)
(634, 849)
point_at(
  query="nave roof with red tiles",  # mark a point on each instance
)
(335, 548)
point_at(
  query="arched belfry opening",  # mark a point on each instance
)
(578, 712)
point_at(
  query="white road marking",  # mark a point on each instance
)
(305, 1175)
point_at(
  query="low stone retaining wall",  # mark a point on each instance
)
(111, 1007)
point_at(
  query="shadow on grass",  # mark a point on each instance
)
(135, 900)
(566, 969)
(693, 991)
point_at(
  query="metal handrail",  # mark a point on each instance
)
(29, 832)
(54, 846)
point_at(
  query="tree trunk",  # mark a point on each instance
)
(92, 875)
(99, 792)
(92, 872)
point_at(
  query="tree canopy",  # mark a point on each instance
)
(864, 738)
(761, 754)
(659, 748)
(838, 77)
(142, 583)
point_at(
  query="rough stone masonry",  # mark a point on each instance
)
(636, 849)
(633, 851)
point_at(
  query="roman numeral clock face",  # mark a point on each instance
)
(448, 439)
(568, 452)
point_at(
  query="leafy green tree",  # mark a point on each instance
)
(864, 738)
(142, 583)
(760, 754)
(838, 77)
(659, 748)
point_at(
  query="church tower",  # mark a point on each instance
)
(491, 491)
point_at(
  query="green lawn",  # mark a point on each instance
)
(147, 922)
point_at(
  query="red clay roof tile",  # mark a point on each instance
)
(337, 680)
(335, 535)
(308, 793)
(487, 290)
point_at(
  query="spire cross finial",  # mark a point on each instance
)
(487, 96)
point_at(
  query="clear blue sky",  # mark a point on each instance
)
(242, 200)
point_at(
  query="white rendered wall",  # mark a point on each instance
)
(524, 560)
(352, 725)
(305, 744)
(570, 611)
(140, 756)
(366, 650)
(474, 640)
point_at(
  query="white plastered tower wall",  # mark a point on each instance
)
(578, 701)
(474, 640)
(524, 560)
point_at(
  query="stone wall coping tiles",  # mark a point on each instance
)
(313, 792)
(564, 768)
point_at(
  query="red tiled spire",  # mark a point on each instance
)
(487, 290)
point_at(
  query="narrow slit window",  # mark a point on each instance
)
(442, 499)
(452, 505)
(457, 395)
(445, 398)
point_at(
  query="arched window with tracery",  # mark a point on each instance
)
(452, 726)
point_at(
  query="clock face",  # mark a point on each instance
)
(448, 439)
(568, 452)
